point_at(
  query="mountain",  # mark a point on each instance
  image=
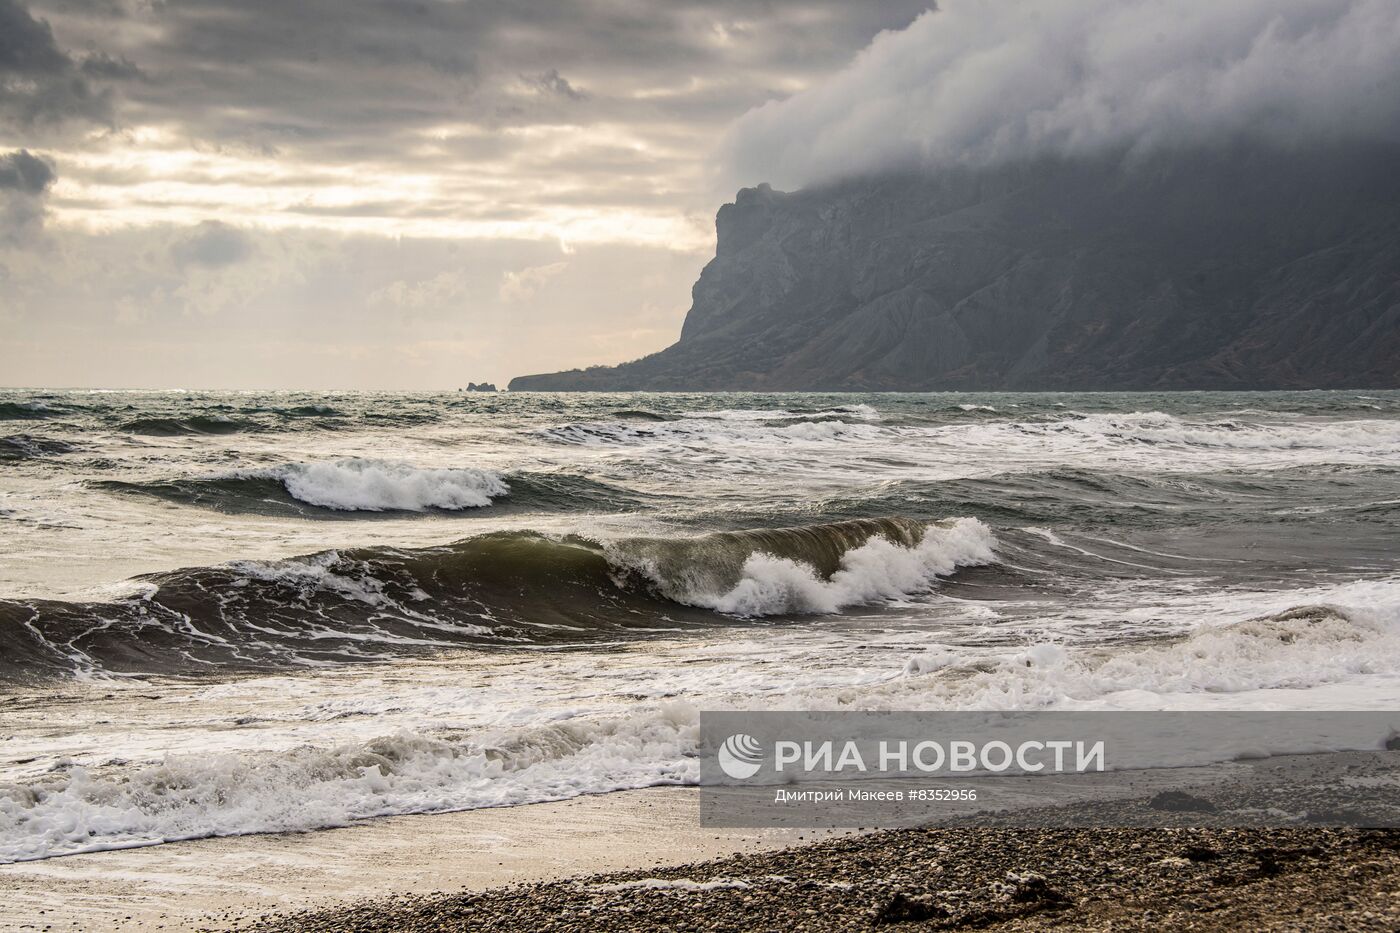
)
(1230, 269)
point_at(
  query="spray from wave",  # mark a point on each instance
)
(377, 486)
(817, 570)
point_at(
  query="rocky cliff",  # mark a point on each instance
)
(1234, 269)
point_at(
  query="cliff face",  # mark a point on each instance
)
(1229, 270)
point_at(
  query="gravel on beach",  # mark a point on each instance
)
(944, 879)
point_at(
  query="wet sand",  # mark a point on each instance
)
(215, 883)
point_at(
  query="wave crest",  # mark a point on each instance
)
(377, 486)
(815, 570)
(189, 797)
(504, 588)
(357, 486)
(1302, 648)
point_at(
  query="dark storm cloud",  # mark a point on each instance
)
(342, 77)
(24, 180)
(523, 180)
(212, 244)
(104, 67)
(25, 173)
(552, 82)
(40, 83)
(985, 81)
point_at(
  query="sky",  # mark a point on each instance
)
(982, 82)
(415, 194)
(374, 194)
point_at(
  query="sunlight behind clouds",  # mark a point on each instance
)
(411, 177)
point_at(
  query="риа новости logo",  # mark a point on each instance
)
(740, 756)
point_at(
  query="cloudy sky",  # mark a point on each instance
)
(372, 193)
(988, 81)
(421, 193)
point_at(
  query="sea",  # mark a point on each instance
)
(247, 612)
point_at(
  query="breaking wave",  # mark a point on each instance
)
(346, 486)
(1155, 427)
(817, 569)
(75, 809)
(376, 486)
(504, 588)
(1301, 648)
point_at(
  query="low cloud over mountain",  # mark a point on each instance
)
(1081, 194)
(991, 81)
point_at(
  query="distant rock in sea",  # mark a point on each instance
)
(481, 387)
(1228, 269)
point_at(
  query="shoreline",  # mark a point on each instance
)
(1153, 860)
(219, 882)
(944, 879)
(640, 860)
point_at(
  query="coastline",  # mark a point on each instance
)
(222, 882)
(940, 879)
(1249, 853)
(1236, 857)
(1145, 560)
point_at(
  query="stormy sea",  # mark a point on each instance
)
(250, 612)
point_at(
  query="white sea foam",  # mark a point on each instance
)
(1136, 440)
(449, 739)
(536, 754)
(868, 412)
(357, 485)
(1254, 662)
(877, 570)
(1154, 427)
(76, 809)
(773, 429)
(315, 574)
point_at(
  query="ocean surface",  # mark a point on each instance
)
(248, 612)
